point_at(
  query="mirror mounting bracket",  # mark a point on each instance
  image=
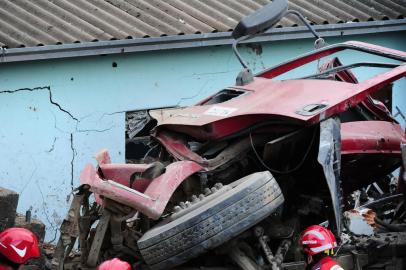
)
(244, 77)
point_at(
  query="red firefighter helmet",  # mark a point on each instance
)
(18, 245)
(316, 239)
(114, 264)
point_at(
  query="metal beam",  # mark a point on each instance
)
(191, 41)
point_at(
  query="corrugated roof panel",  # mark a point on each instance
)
(111, 21)
(385, 7)
(214, 13)
(197, 14)
(243, 7)
(182, 18)
(38, 36)
(225, 10)
(374, 14)
(262, 2)
(314, 9)
(91, 16)
(167, 24)
(314, 18)
(333, 10)
(401, 8)
(356, 14)
(14, 34)
(7, 40)
(43, 22)
(400, 2)
(148, 14)
(247, 3)
(145, 21)
(37, 23)
(72, 24)
(123, 20)
(50, 23)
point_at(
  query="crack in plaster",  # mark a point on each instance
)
(110, 114)
(48, 88)
(72, 146)
(52, 146)
(30, 179)
(44, 210)
(95, 130)
(53, 102)
(194, 96)
(56, 127)
(72, 160)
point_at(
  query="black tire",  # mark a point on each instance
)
(250, 200)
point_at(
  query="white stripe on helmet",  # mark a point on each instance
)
(321, 248)
(315, 233)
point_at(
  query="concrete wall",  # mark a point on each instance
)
(57, 114)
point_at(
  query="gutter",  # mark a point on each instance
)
(191, 41)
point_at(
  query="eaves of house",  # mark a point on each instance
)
(47, 29)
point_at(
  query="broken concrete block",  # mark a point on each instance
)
(36, 226)
(360, 221)
(8, 207)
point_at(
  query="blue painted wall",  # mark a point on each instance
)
(46, 140)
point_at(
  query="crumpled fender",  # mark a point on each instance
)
(153, 201)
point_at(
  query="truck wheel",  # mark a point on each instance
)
(211, 222)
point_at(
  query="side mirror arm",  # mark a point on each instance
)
(303, 19)
(236, 52)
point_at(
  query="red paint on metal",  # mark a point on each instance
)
(156, 196)
(178, 148)
(374, 47)
(371, 137)
(281, 69)
(222, 128)
(275, 99)
(300, 61)
(280, 100)
(121, 173)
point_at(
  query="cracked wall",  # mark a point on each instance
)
(57, 114)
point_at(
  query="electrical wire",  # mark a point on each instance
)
(288, 171)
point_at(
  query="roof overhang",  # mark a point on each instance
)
(192, 41)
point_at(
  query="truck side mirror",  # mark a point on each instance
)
(261, 20)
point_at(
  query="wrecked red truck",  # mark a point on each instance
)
(230, 182)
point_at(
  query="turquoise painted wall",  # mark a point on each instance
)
(44, 147)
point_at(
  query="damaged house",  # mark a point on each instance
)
(78, 76)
